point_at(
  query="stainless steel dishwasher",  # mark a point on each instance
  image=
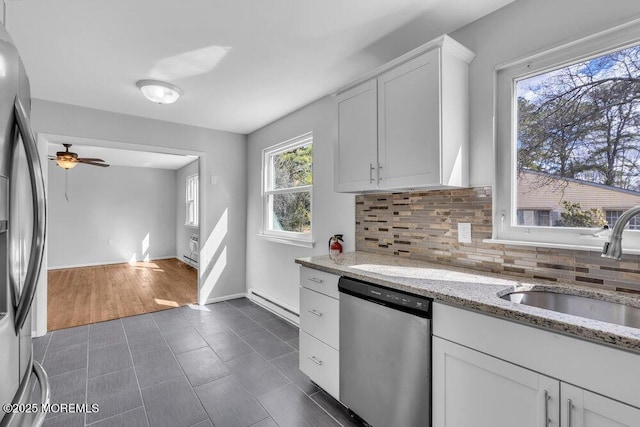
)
(385, 355)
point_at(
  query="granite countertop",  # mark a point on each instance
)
(480, 291)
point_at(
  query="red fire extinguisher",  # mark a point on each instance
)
(335, 248)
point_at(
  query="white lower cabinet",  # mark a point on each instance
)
(319, 331)
(489, 372)
(319, 316)
(473, 389)
(582, 408)
(320, 362)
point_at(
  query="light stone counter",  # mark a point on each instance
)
(479, 291)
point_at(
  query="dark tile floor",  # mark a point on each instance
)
(226, 364)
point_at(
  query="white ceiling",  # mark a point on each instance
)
(242, 64)
(122, 157)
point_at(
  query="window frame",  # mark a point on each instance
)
(192, 180)
(280, 236)
(505, 228)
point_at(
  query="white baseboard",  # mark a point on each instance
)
(276, 306)
(225, 298)
(93, 264)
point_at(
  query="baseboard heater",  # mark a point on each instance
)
(270, 301)
(192, 262)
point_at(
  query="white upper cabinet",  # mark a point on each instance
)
(405, 125)
(356, 151)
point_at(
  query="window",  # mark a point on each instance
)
(192, 201)
(288, 188)
(538, 217)
(568, 139)
(612, 216)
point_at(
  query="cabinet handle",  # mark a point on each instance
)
(316, 361)
(379, 174)
(371, 169)
(313, 279)
(546, 408)
(569, 408)
(314, 311)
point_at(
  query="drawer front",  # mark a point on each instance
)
(319, 315)
(321, 363)
(319, 281)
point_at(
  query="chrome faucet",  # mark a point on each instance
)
(613, 248)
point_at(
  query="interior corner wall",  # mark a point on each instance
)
(115, 214)
(183, 231)
(516, 31)
(223, 225)
(270, 266)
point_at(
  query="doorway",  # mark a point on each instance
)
(115, 235)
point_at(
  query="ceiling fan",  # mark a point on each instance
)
(68, 160)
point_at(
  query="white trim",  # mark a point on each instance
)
(444, 42)
(505, 190)
(93, 264)
(613, 38)
(299, 140)
(290, 190)
(192, 180)
(287, 241)
(555, 246)
(280, 236)
(225, 298)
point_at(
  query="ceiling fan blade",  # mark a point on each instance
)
(104, 165)
(90, 159)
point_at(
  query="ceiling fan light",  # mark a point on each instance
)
(158, 91)
(66, 164)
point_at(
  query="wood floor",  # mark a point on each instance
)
(79, 296)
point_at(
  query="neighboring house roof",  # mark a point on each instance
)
(539, 190)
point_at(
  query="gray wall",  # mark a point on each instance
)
(270, 266)
(114, 214)
(223, 227)
(516, 31)
(183, 232)
(523, 27)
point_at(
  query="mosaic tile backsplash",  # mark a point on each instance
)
(424, 225)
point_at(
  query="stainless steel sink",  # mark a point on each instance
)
(591, 308)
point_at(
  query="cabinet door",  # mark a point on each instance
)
(356, 149)
(581, 408)
(409, 123)
(474, 389)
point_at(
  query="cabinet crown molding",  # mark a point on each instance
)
(445, 42)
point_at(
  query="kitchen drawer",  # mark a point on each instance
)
(321, 363)
(319, 281)
(319, 316)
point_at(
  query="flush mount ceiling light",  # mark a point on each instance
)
(158, 91)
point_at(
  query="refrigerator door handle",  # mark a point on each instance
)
(23, 396)
(45, 392)
(39, 214)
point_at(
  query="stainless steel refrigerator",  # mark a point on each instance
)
(22, 232)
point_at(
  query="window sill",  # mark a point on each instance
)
(287, 241)
(585, 248)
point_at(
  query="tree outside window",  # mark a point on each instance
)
(288, 178)
(578, 138)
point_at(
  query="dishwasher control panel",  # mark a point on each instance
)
(381, 295)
